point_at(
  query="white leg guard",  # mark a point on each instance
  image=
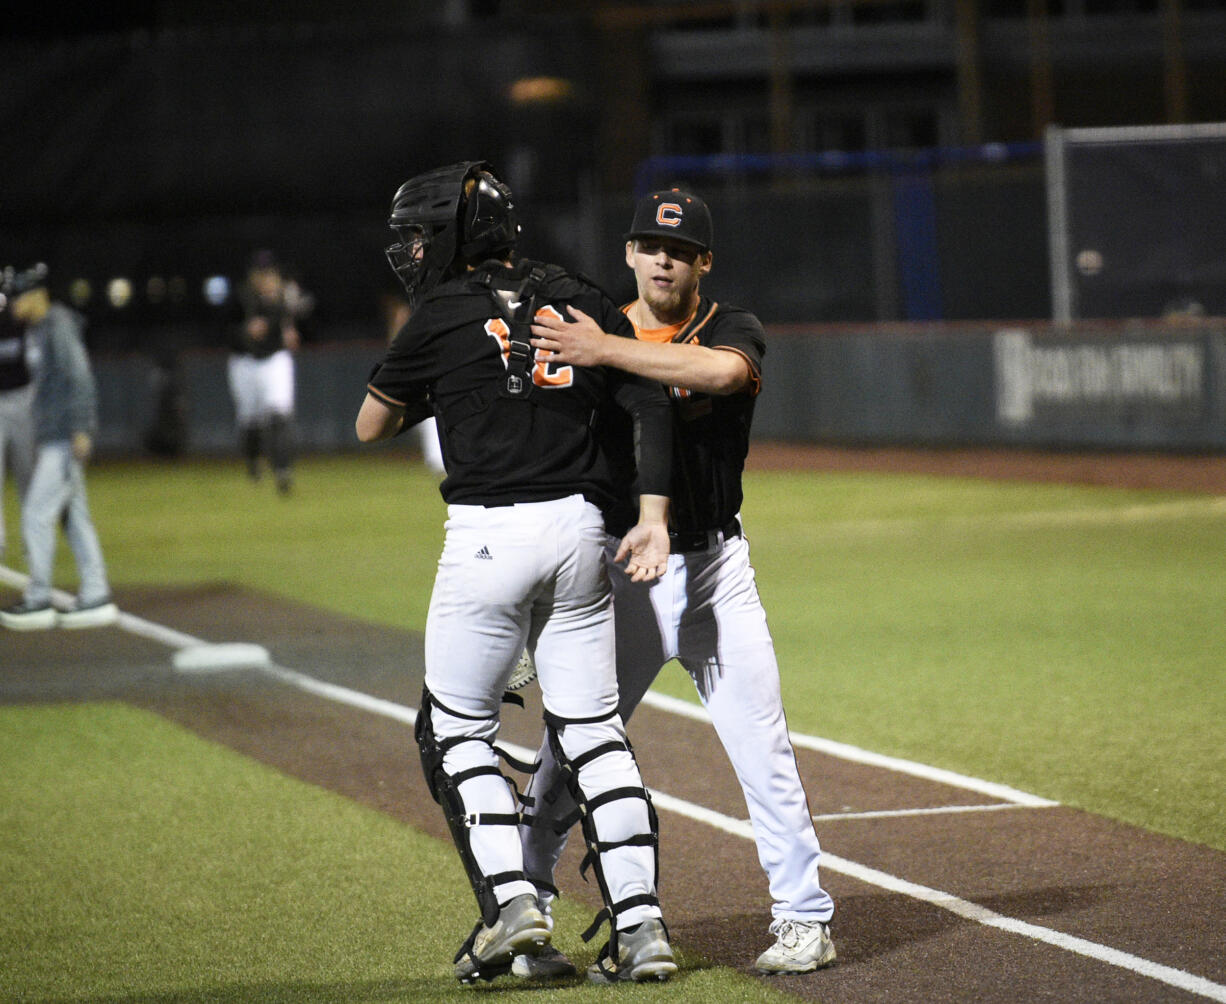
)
(615, 811)
(461, 768)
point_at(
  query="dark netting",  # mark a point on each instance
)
(1143, 213)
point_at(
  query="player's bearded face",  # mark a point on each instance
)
(667, 273)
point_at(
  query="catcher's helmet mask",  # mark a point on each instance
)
(448, 219)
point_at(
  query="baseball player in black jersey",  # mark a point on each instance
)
(261, 365)
(531, 469)
(705, 610)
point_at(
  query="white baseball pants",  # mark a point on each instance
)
(532, 574)
(261, 388)
(706, 613)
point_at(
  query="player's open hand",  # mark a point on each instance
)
(645, 551)
(577, 342)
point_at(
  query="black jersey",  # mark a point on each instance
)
(276, 314)
(564, 437)
(711, 431)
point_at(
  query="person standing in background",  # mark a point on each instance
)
(261, 366)
(16, 399)
(65, 422)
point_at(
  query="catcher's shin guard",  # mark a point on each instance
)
(614, 811)
(447, 789)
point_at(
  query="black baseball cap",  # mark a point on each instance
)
(674, 213)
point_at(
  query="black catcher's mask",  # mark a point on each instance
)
(447, 219)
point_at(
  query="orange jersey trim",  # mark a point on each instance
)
(692, 334)
(658, 334)
(665, 334)
(755, 378)
(670, 332)
(391, 402)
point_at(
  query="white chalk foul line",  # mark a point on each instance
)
(129, 622)
(845, 751)
(353, 698)
(942, 810)
(982, 915)
(883, 880)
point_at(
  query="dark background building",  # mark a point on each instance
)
(869, 160)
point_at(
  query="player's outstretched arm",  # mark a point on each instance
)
(645, 546)
(377, 420)
(581, 342)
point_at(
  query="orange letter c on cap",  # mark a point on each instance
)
(668, 214)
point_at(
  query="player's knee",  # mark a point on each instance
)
(577, 737)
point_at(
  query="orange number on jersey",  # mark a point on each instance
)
(544, 373)
(497, 329)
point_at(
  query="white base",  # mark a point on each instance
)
(102, 616)
(231, 655)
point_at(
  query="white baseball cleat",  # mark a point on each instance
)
(551, 964)
(519, 930)
(523, 673)
(800, 947)
(643, 954)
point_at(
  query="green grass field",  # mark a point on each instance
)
(1064, 640)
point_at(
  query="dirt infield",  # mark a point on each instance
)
(1065, 872)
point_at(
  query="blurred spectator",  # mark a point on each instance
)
(16, 398)
(65, 413)
(261, 368)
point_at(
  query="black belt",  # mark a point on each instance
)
(689, 541)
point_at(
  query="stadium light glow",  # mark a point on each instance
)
(216, 290)
(540, 90)
(79, 292)
(119, 292)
